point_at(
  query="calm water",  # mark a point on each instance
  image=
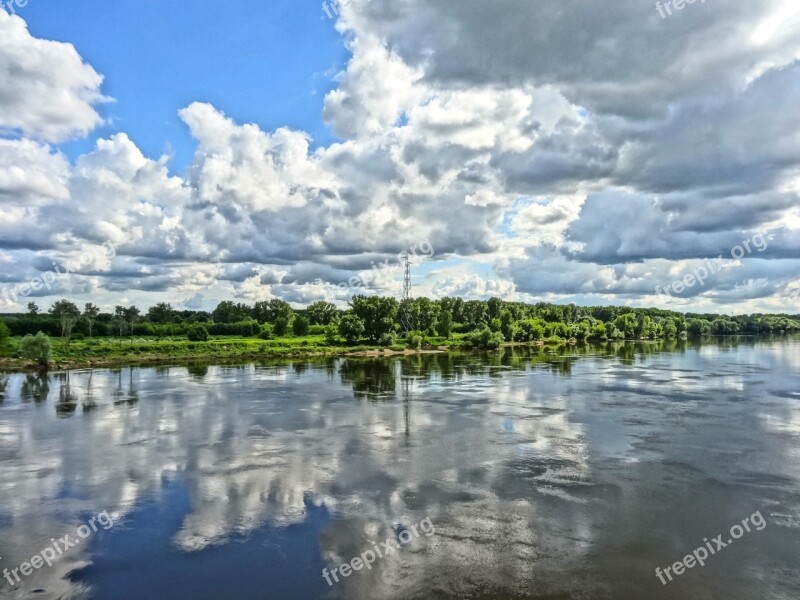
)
(545, 475)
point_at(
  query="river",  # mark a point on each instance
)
(518, 474)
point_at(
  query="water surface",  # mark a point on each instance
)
(564, 474)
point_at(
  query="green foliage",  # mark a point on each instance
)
(270, 312)
(197, 333)
(229, 312)
(322, 313)
(506, 324)
(351, 328)
(698, 327)
(529, 330)
(332, 333)
(67, 314)
(486, 338)
(160, 313)
(281, 326)
(266, 332)
(4, 334)
(249, 328)
(415, 340)
(444, 325)
(388, 339)
(36, 348)
(300, 326)
(599, 331)
(376, 313)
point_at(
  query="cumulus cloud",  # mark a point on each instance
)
(48, 92)
(569, 152)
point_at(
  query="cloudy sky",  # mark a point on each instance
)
(558, 150)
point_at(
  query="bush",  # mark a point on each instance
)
(387, 340)
(317, 330)
(486, 338)
(243, 328)
(530, 330)
(36, 348)
(197, 333)
(331, 334)
(415, 340)
(266, 332)
(300, 326)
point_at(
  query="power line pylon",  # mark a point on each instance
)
(407, 280)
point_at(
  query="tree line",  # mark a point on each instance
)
(380, 320)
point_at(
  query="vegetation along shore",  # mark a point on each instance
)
(66, 336)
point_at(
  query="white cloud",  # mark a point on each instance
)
(48, 92)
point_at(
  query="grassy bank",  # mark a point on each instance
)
(110, 352)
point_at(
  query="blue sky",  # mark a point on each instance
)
(269, 63)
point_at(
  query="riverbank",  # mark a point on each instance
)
(109, 353)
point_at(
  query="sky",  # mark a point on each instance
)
(565, 151)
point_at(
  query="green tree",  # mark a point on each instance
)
(161, 313)
(351, 328)
(494, 307)
(229, 312)
(33, 308)
(131, 317)
(36, 348)
(67, 314)
(281, 326)
(445, 324)
(376, 313)
(119, 320)
(322, 313)
(269, 312)
(300, 326)
(90, 313)
(507, 325)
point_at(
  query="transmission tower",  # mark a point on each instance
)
(407, 280)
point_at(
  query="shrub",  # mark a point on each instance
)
(266, 332)
(486, 338)
(415, 340)
(331, 333)
(316, 330)
(387, 340)
(530, 330)
(36, 348)
(300, 326)
(197, 333)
